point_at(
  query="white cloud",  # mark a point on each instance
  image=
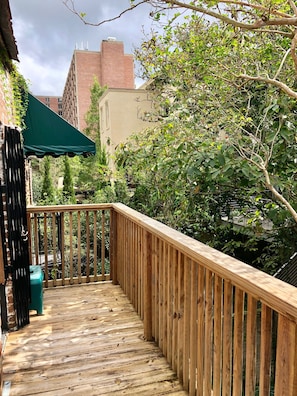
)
(47, 34)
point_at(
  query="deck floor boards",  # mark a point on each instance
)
(88, 342)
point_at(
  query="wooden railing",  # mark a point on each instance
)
(70, 242)
(224, 327)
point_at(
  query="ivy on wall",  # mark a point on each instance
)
(15, 90)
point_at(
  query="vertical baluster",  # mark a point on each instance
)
(208, 339)
(227, 339)
(138, 268)
(95, 213)
(119, 249)
(88, 246)
(71, 247)
(147, 283)
(113, 246)
(180, 316)
(169, 312)
(55, 248)
(286, 357)
(45, 242)
(79, 246)
(134, 264)
(266, 350)
(238, 342)
(157, 291)
(200, 330)
(250, 376)
(193, 326)
(62, 246)
(103, 245)
(36, 239)
(124, 255)
(217, 341)
(186, 322)
(175, 288)
(30, 239)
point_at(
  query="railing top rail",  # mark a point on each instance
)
(68, 208)
(273, 292)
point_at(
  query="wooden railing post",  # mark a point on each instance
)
(113, 247)
(147, 265)
(286, 358)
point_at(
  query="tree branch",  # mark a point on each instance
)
(259, 23)
(282, 63)
(81, 16)
(282, 86)
(293, 50)
(258, 7)
(279, 197)
(262, 166)
(294, 7)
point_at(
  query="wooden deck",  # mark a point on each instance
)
(88, 342)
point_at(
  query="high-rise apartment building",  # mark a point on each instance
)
(53, 102)
(112, 68)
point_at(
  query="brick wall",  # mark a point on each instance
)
(112, 68)
(87, 67)
(52, 102)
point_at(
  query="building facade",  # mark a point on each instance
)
(110, 66)
(52, 102)
(123, 112)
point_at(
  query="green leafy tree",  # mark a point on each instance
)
(47, 191)
(93, 172)
(225, 91)
(68, 190)
(247, 21)
(212, 133)
(92, 116)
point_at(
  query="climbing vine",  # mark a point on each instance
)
(20, 96)
(15, 90)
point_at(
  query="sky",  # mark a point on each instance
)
(47, 33)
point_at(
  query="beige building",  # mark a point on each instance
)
(122, 113)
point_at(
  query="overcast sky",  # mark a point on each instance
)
(47, 33)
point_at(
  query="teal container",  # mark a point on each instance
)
(36, 280)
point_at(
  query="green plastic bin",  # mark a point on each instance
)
(36, 279)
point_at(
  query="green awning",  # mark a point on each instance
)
(49, 134)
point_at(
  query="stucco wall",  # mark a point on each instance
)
(122, 113)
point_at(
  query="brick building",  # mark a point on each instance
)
(52, 102)
(111, 66)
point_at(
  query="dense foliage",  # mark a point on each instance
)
(205, 169)
(221, 165)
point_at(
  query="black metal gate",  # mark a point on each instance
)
(14, 197)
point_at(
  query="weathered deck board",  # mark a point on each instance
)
(88, 342)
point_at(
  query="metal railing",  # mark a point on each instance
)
(224, 327)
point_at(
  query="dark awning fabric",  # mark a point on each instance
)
(47, 133)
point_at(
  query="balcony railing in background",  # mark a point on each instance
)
(224, 327)
(71, 243)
